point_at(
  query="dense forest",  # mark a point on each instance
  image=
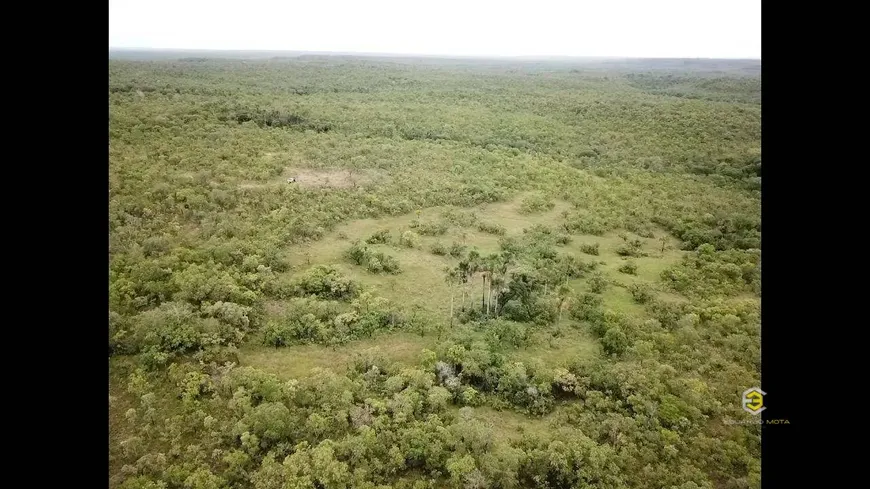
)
(349, 272)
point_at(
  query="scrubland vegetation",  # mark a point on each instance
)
(484, 276)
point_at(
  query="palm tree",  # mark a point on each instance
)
(463, 272)
(452, 278)
(474, 266)
(492, 267)
(487, 274)
(498, 265)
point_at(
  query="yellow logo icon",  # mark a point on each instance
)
(753, 400)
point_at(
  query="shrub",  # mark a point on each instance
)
(536, 203)
(276, 334)
(409, 239)
(614, 341)
(597, 283)
(630, 248)
(429, 228)
(589, 248)
(588, 308)
(379, 262)
(326, 282)
(586, 224)
(563, 239)
(380, 237)
(642, 293)
(502, 333)
(357, 253)
(496, 229)
(373, 261)
(628, 267)
(175, 328)
(457, 249)
(459, 218)
(439, 249)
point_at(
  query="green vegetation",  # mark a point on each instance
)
(360, 273)
(373, 261)
(590, 248)
(629, 267)
(536, 203)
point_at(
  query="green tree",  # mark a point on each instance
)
(453, 278)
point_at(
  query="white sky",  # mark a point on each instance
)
(645, 28)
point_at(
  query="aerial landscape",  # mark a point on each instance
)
(478, 245)
(394, 272)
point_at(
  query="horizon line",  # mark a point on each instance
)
(386, 53)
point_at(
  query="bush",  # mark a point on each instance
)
(500, 334)
(641, 293)
(409, 239)
(587, 224)
(457, 249)
(373, 261)
(357, 254)
(597, 283)
(175, 328)
(380, 237)
(459, 218)
(326, 282)
(429, 228)
(496, 229)
(589, 248)
(588, 308)
(614, 341)
(379, 262)
(628, 267)
(536, 203)
(439, 249)
(630, 248)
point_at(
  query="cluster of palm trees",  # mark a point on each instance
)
(503, 279)
(493, 271)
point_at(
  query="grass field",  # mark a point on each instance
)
(298, 361)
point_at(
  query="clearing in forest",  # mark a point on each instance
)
(299, 360)
(421, 284)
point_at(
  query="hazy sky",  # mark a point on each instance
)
(645, 28)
